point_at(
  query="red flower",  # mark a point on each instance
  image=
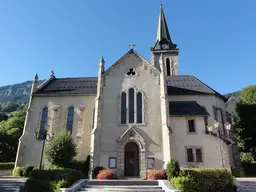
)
(106, 174)
(155, 174)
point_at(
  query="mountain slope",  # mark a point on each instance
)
(16, 92)
(233, 99)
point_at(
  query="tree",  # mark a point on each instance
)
(61, 150)
(3, 116)
(245, 127)
(10, 132)
(248, 95)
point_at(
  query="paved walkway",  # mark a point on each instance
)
(246, 178)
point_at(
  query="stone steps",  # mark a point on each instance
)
(119, 189)
(248, 186)
(7, 186)
(122, 186)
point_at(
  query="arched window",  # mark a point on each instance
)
(123, 108)
(168, 67)
(70, 119)
(43, 121)
(139, 107)
(131, 105)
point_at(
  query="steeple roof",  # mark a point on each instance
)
(162, 29)
(163, 35)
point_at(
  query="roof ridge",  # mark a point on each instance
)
(125, 56)
(220, 95)
(75, 77)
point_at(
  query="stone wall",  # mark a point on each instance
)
(29, 151)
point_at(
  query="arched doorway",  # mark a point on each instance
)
(131, 159)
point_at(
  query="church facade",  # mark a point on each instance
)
(136, 115)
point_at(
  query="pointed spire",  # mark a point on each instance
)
(102, 65)
(36, 77)
(102, 61)
(162, 29)
(163, 38)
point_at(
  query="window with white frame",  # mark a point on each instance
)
(194, 154)
(191, 126)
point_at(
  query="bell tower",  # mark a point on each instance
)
(166, 47)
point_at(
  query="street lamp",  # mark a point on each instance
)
(43, 136)
(215, 124)
(209, 128)
(228, 126)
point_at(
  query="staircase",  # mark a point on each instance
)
(10, 185)
(121, 185)
(248, 184)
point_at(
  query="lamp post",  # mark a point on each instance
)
(43, 136)
(216, 126)
(228, 128)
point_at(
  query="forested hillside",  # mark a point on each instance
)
(233, 99)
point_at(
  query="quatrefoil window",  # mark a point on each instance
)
(131, 72)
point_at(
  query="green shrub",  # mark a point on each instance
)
(39, 186)
(80, 165)
(96, 171)
(22, 171)
(60, 184)
(52, 180)
(237, 171)
(204, 180)
(17, 171)
(6, 165)
(172, 169)
(184, 184)
(55, 175)
(247, 157)
(61, 150)
(27, 170)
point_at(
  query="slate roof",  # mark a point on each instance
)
(186, 108)
(176, 85)
(188, 85)
(66, 86)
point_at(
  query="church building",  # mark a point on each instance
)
(134, 116)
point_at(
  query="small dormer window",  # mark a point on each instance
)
(131, 72)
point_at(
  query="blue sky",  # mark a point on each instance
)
(217, 39)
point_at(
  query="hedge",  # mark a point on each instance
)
(39, 186)
(22, 171)
(203, 180)
(80, 165)
(6, 165)
(51, 180)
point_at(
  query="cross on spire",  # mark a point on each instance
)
(131, 45)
